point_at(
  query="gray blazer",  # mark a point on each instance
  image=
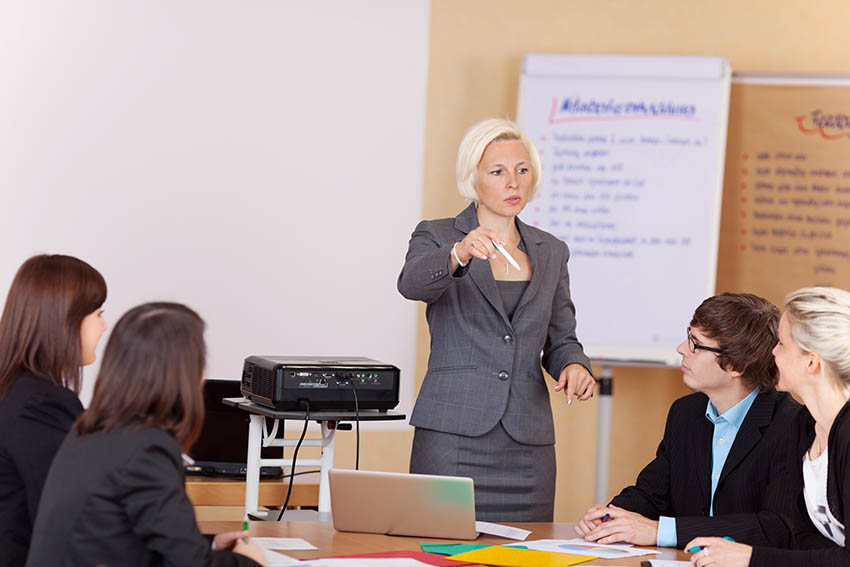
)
(484, 367)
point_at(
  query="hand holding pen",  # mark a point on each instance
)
(616, 525)
(227, 540)
(591, 519)
(480, 243)
(238, 542)
(723, 552)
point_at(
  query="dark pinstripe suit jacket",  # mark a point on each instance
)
(484, 367)
(751, 502)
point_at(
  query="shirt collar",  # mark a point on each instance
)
(734, 415)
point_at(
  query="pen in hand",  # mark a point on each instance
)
(696, 548)
(507, 256)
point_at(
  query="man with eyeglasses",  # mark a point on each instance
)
(721, 467)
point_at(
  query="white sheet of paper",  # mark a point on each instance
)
(669, 563)
(276, 559)
(288, 543)
(579, 546)
(502, 531)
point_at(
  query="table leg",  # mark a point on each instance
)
(603, 433)
(326, 463)
(252, 473)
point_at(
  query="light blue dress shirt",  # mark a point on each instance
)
(726, 427)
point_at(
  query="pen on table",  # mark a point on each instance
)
(507, 256)
(696, 548)
(245, 527)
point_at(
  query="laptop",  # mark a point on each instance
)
(403, 504)
(222, 446)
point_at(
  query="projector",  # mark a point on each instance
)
(289, 383)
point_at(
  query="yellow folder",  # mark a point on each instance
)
(512, 557)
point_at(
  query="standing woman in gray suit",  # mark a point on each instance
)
(483, 409)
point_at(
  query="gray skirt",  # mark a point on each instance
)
(513, 482)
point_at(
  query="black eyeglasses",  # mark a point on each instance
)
(695, 345)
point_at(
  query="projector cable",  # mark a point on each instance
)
(295, 457)
(357, 423)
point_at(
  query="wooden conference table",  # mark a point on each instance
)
(331, 542)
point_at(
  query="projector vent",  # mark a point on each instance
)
(261, 381)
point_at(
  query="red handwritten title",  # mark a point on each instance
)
(829, 126)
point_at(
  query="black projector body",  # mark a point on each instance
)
(325, 382)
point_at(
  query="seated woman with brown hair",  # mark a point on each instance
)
(115, 493)
(50, 328)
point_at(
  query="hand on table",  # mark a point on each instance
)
(719, 551)
(590, 520)
(624, 526)
(578, 382)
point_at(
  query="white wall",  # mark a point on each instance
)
(260, 161)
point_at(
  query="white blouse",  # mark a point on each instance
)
(814, 491)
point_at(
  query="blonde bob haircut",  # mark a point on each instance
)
(472, 148)
(820, 323)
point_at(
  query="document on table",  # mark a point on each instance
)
(502, 531)
(276, 559)
(669, 563)
(579, 546)
(286, 543)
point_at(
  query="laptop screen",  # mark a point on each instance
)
(224, 437)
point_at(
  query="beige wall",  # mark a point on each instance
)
(476, 48)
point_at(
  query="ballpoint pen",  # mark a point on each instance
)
(507, 256)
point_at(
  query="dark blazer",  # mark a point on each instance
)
(484, 367)
(751, 499)
(35, 416)
(811, 548)
(118, 498)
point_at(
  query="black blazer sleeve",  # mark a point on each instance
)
(153, 495)
(46, 419)
(765, 527)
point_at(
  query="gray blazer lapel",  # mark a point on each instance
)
(539, 257)
(479, 270)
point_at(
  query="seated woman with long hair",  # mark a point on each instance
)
(813, 357)
(115, 494)
(49, 330)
